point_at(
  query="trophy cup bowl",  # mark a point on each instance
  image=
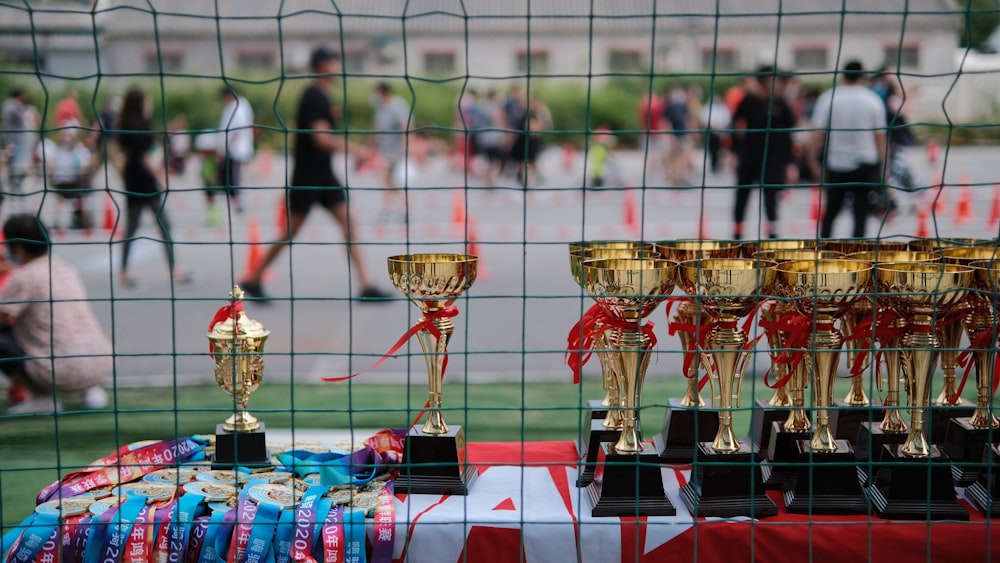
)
(939, 244)
(433, 282)
(728, 288)
(592, 250)
(922, 292)
(628, 290)
(850, 246)
(787, 244)
(824, 290)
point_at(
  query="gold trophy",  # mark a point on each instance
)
(435, 454)
(825, 290)
(606, 416)
(851, 246)
(855, 409)
(628, 290)
(918, 481)
(966, 436)
(237, 345)
(779, 423)
(687, 421)
(727, 482)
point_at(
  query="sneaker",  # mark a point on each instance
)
(253, 290)
(94, 398)
(36, 405)
(374, 294)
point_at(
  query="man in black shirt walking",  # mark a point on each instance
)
(313, 180)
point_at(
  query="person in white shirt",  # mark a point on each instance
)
(236, 145)
(850, 123)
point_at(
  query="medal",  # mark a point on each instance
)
(273, 476)
(65, 507)
(365, 501)
(101, 506)
(154, 492)
(280, 496)
(171, 476)
(223, 476)
(213, 492)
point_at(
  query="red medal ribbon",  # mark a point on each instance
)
(982, 341)
(862, 331)
(581, 338)
(426, 323)
(796, 326)
(230, 311)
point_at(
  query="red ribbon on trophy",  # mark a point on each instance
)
(581, 338)
(982, 341)
(426, 323)
(230, 311)
(797, 326)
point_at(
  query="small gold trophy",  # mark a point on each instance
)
(628, 290)
(918, 480)
(606, 415)
(434, 461)
(825, 290)
(729, 482)
(237, 345)
(966, 436)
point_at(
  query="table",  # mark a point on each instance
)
(525, 507)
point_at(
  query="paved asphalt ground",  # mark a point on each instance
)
(514, 321)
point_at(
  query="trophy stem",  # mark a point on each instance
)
(685, 315)
(727, 344)
(826, 344)
(632, 348)
(614, 418)
(922, 350)
(892, 422)
(856, 396)
(950, 335)
(435, 351)
(241, 421)
(600, 346)
(797, 420)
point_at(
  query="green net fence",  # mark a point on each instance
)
(537, 233)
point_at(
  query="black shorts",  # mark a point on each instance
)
(230, 174)
(300, 200)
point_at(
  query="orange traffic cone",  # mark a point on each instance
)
(265, 159)
(937, 194)
(994, 219)
(569, 155)
(458, 208)
(702, 227)
(631, 219)
(472, 248)
(814, 208)
(922, 231)
(254, 256)
(281, 221)
(932, 150)
(109, 219)
(963, 210)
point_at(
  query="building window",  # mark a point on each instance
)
(439, 62)
(255, 60)
(538, 61)
(905, 56)
(167, 61)
(810, 58)
(719, 59)
(620, 60)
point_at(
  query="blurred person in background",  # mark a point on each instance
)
(51, 343)
(69, 165)
(236, 127)
(392, 117)
(142, 189)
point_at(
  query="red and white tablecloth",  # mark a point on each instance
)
(525, 507)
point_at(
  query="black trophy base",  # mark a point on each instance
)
(727, 485)
(826, 483)
(845, 420)
(632, 485)
(778, 469)
(240, 449)
(985, 492)
(941, 414)
(762, 418)
(964, 445)
(435, 465)
(871, 438)
(596, 409)
(910, 488)
(683, 429)
(590, 449)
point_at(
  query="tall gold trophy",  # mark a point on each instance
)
(916, 482)
(628, 290)
(726, 481)
(237, 345)
(605, 420)
(965, 437)
(688, 420)
(825, 290)
(434, 459)
(780, 423)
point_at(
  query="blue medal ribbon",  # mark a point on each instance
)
(37, 532)
(335, 468)
(98, 530)
(209, 553)
(117, 533)
(354, 536)
(179, 529)
(283, 537)
(262, 533)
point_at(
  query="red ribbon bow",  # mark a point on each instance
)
(230, 311)
(425, 323)
(982, 341)
(581, 339)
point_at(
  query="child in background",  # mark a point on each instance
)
(68, 164)
(205, 146)
(603, 166)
